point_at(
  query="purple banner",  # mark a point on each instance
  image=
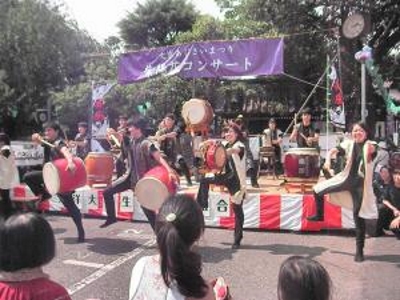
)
(253, 57)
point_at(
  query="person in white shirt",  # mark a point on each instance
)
(174, 273)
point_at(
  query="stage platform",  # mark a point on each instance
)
(270, 207)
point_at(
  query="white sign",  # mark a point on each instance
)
(27, 153)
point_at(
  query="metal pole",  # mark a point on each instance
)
(364, 111)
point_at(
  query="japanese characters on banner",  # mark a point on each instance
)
(228, 59)
(100, 121)
(261, 211)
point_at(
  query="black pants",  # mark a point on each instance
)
(239, 221)
(229, 180)
(182, 167)
(122, 184)
(355, 187)
(120, 167)
(35, 182)
(232, 183)
(5, 203)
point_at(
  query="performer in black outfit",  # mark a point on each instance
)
(142, 156)
(304, 133)
(35, 181)
(273, 138)
(354, 181)
(81, 141)
(168, 137)
(233, 178)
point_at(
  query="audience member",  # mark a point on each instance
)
(27, 243)
(175, 273)
(302, 278)
(391, 205)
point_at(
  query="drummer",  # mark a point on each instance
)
(81, 141)
(169, 139)
(143, 155)
(122, 130)
(273, 138)
(305, 134)
(55, 148)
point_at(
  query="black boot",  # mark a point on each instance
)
(319, 216)
(359, 257)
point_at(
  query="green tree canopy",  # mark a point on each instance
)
(157, 23)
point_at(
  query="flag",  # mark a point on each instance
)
(336, 113)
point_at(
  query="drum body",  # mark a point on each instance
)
(154, 188)
(213, 156)
(302, 163)
(99, 167)
(60, 180)
(197, 112)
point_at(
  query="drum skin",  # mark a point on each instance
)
(60, 180)
(302, 163)
(197, 112)
(215, 157)
(99, 167)
(154, 188)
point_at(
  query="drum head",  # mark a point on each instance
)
(194, 111)
(220, 157)
(51, 178)
(151, 193)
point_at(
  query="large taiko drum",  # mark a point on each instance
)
(60, 180)
(197, 112)
(99, 167)
(154, 188)
(214, 156)
(302, 163)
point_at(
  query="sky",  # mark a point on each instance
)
(100, 17)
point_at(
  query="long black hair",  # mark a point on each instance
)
(302, 278)
(179, 224)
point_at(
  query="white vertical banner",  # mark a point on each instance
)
(99, 118)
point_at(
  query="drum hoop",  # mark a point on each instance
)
(162, 184)
(51, 167)
(303, 151)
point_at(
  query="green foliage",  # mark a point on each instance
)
(157, 23)
(40, 52)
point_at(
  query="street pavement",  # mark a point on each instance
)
(100, 268)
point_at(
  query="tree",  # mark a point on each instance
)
(157, 23)
(40, 52)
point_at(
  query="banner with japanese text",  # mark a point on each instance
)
(336, 112)
(100, 121)
(222, 59)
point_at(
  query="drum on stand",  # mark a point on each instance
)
(60, 180)
(197, 112)
(302, 168)
(99, 167)
(154, 188)
(302, 163)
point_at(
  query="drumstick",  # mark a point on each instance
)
(41, 140)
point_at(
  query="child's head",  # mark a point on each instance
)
(302, 278)
(26, 241)
(179, 224)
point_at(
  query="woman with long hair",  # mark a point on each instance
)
(174, 273)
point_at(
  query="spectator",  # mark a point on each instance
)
(301, 278)
(175, 273)
(391, 206)
(27, 243)
(395, 227)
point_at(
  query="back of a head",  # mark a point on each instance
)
(302, 278)
(26, 241)
(179, 224)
